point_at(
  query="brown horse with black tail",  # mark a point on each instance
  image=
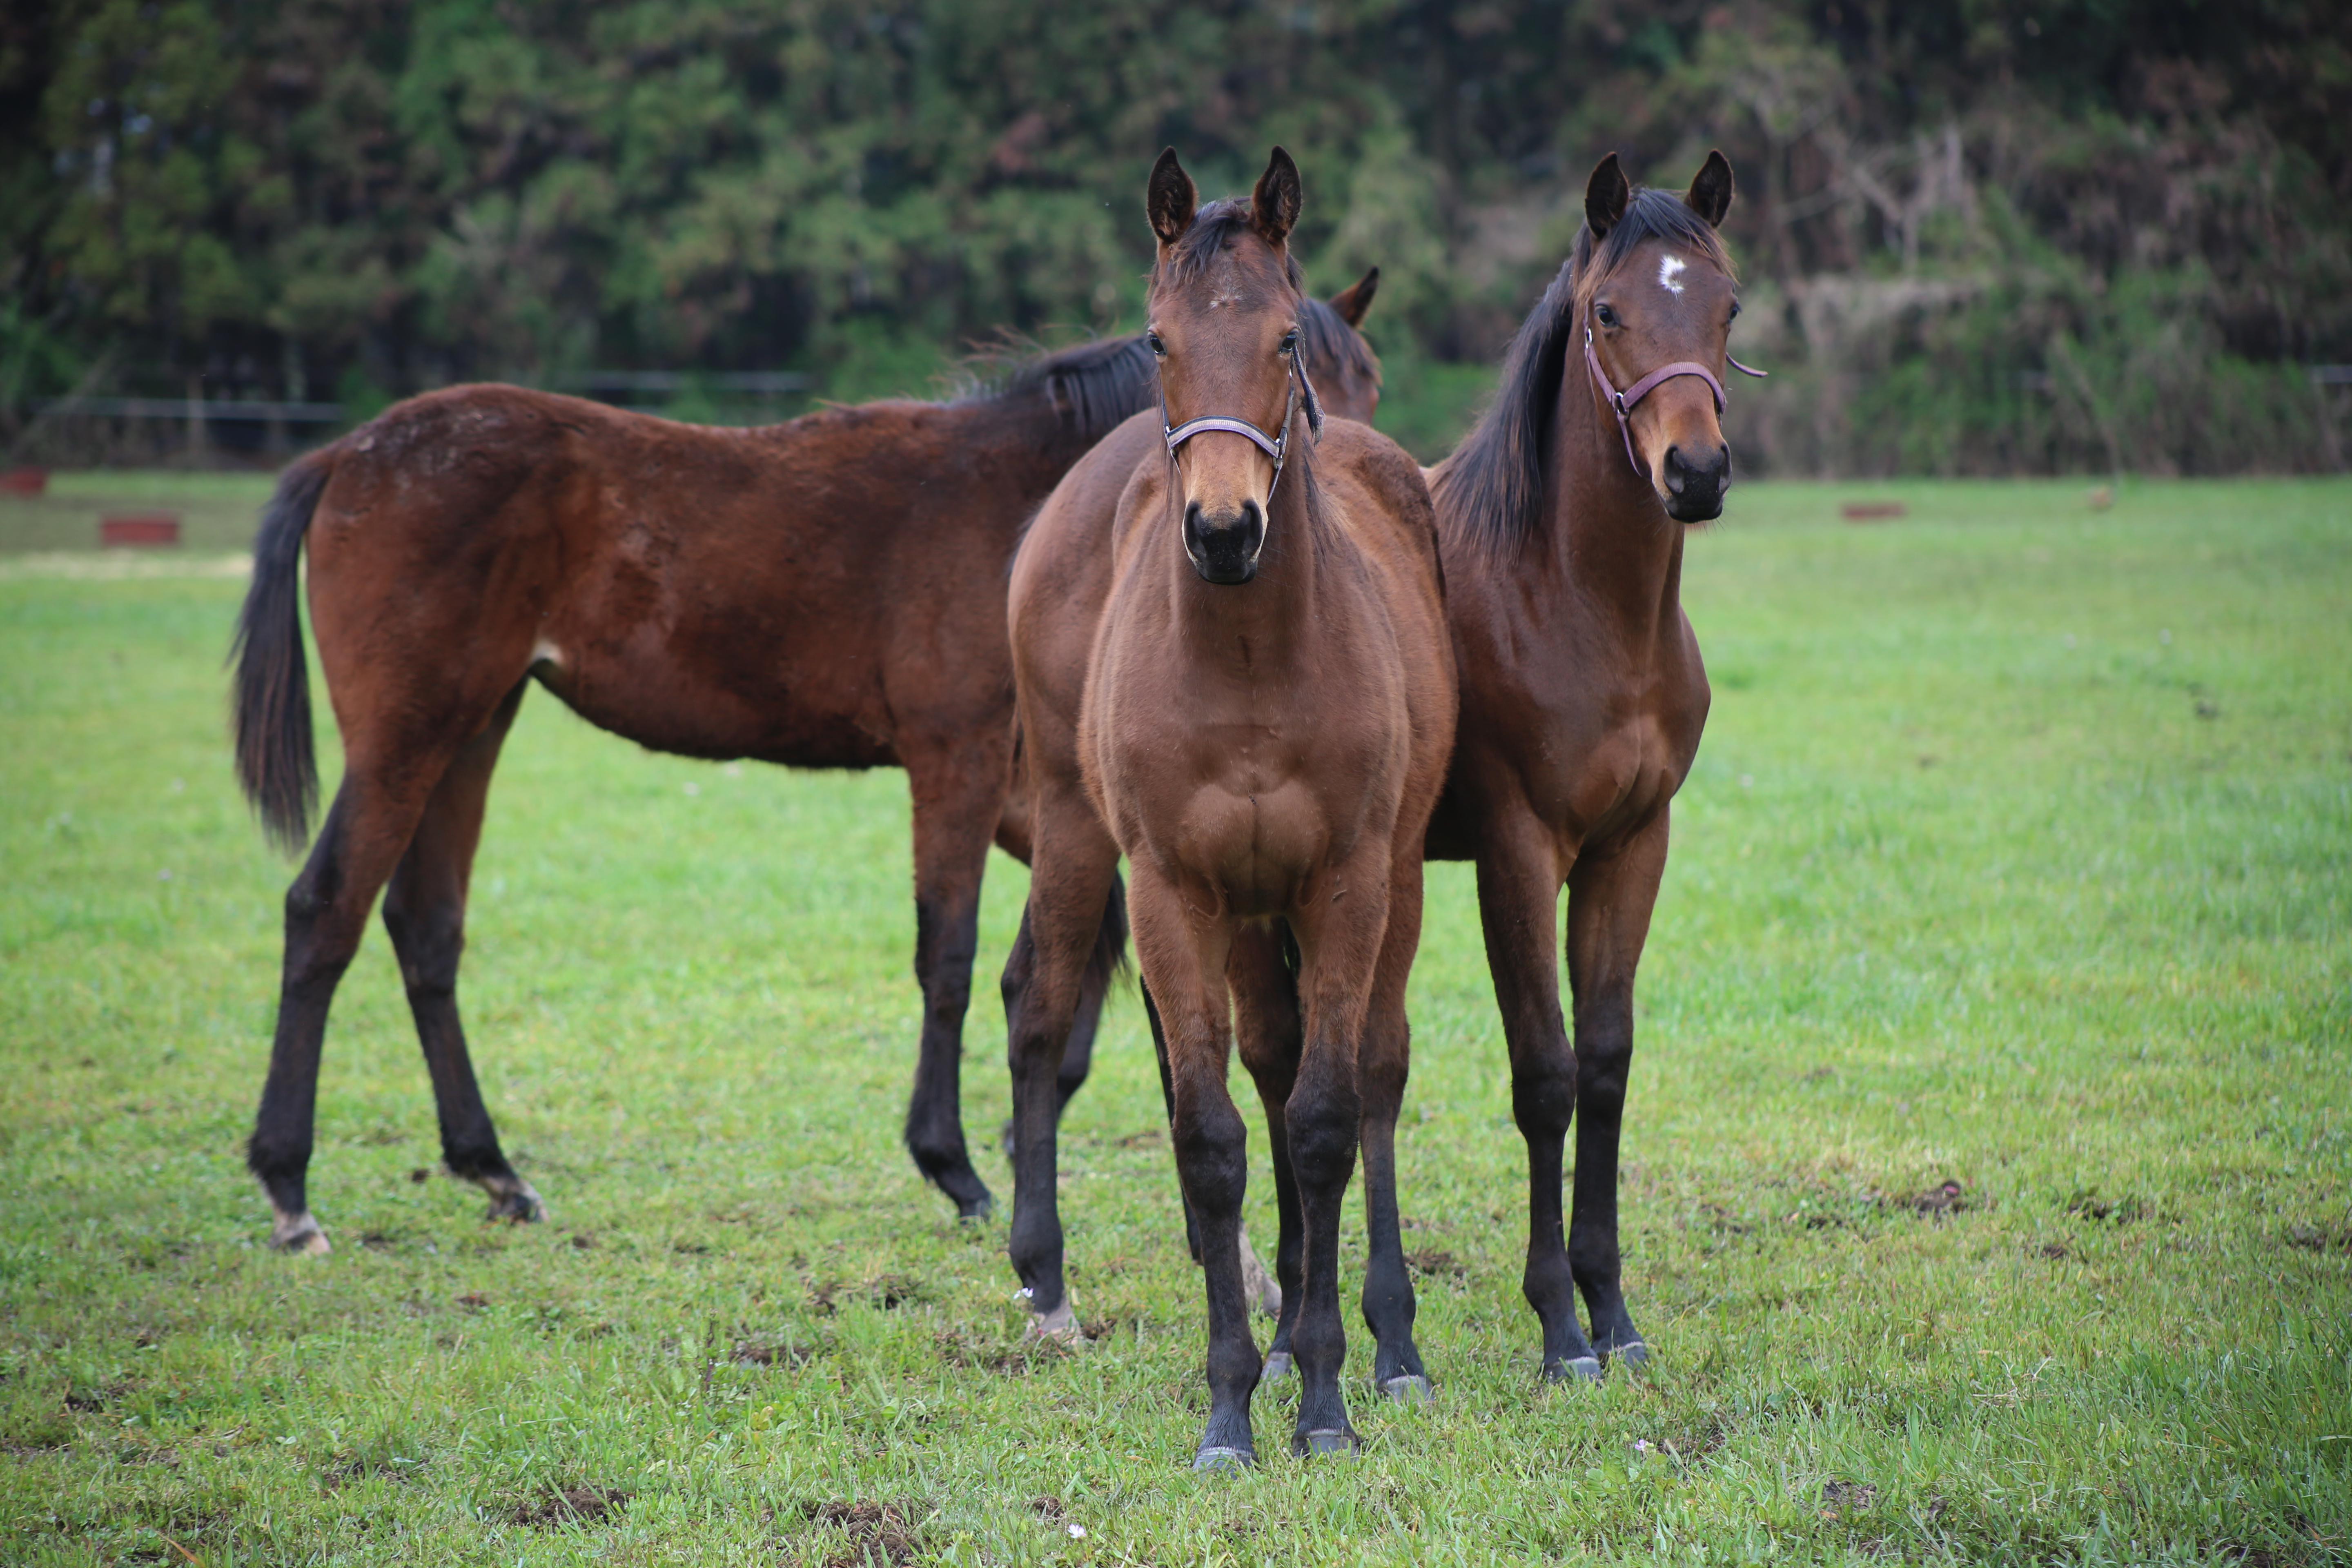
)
(1255, 704)
(820, 594)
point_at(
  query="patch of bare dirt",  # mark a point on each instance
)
(877, 1532)
(1842, 1498)
(1431, 1261)
(572, 1505)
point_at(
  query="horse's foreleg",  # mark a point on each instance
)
(1340, 947)
(956, 804)
(364, 834)
(1016, 836)
(424, 912)
(1042, 982)
(1609, 905)
(1382, 1066)
(1518, 906)
(1184, 966)
(1267, 1025)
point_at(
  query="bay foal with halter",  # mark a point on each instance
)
(814, 593)
(1263, 720)
(1561, 516)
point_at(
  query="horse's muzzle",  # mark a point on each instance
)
(1696, 483)
(1225, 548)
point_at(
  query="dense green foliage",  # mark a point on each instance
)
(2015, 857)
(1987, 235)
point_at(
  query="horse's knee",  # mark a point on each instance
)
(1212, 1153)
(1543, 1094)
(1323, 1133)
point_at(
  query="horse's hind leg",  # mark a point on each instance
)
(366, 829)
(958, 798)
(1382, 1067)
(1609, 905)
(425, 910)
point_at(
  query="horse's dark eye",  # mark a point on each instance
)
(1735, 309)
(1607, 317)
(1289, 342)
(1151, 341)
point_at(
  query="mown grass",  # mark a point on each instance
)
(2016, 858)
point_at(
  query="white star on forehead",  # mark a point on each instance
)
(1669, 269)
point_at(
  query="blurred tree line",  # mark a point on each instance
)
(1978, 235)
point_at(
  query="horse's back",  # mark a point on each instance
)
(777, 592)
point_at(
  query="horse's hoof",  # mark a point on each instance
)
(1217, 1457)
(298, 1233)
(977, 1208)
(1277, 1366)
(1336, 1440)
(1411, 1389)
(1583, 1369)
(1060, 1325)
(1632, 1353)
(512, 1199)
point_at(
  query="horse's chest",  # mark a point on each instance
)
(1614, 780)
(1252, 812)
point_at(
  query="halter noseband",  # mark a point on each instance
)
(1621, 402)
(1272, 446)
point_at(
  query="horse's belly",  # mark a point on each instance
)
(638, 689)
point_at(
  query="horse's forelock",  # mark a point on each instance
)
(1493, 488)
(1212, 225)
(1651, 213)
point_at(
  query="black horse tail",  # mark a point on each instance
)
(1109, 960)
(275, 763)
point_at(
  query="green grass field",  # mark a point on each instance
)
(2016, 856)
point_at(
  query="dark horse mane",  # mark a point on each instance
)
(1491, 490)
(1099, 384)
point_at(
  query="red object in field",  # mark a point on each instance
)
(1873, 511)
(24, 481)
(139, 528)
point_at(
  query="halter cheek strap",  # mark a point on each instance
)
(1301, 390)
(1621, 402)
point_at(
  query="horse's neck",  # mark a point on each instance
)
(1035, 441)
(1607, 540)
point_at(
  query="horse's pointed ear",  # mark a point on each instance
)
(1710, 194)
(1605, 195)
(1356, 299)
(1172, 200)
(1274, 206)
